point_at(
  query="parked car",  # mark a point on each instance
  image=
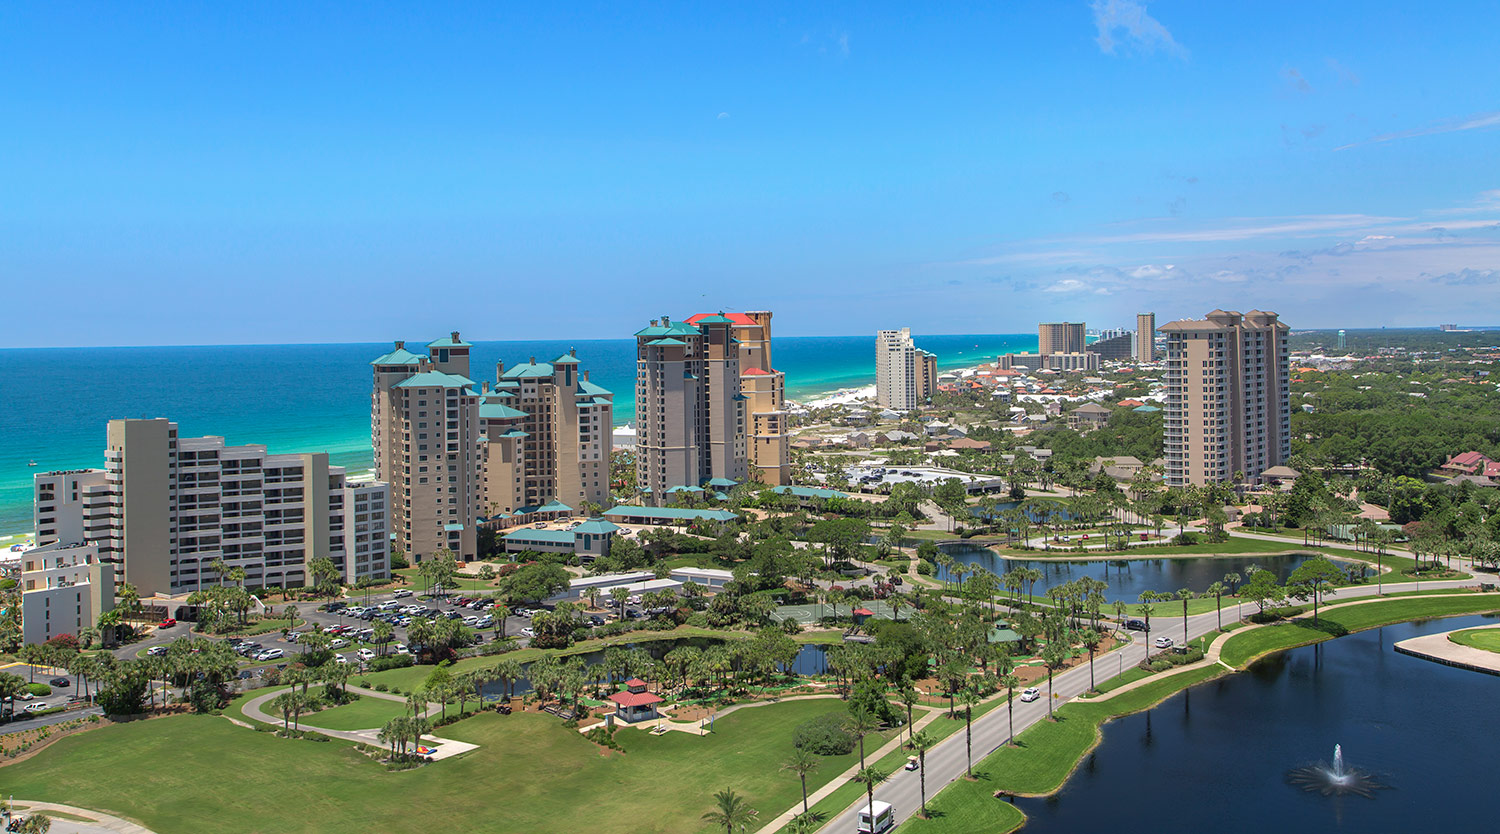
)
(471, 620)
(485, 622)
(1135, 625)
(338, 658)
(1163, 642)
(594, 620)
(401, 593)
(167, 623)
(338, 643)
(366, 654)
(528, 632)
(271, 654)
(60, 682)
(401, 649)
(157, 651)
(389, 605)
(1030, 694)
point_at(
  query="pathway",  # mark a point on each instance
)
(97, 822)
(1439, 649)
(443, 747)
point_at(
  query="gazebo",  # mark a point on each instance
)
(635, 703)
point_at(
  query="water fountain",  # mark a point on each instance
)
(1336, 779)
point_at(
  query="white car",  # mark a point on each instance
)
(1164, 642)
(157, 651)
(338, 658)
(485, 622)
(1030, 694)
(389, 605)
(471, 621)
(36, 707)
(400, 594)
(528, 632)
(366, 654)
(338, 643)
(401, 649)
(270, 654)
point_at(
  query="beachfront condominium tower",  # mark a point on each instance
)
(546, 437)
(166, 509)
(424, 430)
(1060, 337)
(905, 375)
(1228, 411)
(1145, 337)
(768, 428)
(690, 413)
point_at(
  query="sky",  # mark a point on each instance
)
(214, 173)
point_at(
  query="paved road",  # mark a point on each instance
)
(945, 763)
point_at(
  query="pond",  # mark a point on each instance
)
(811, 659)
(1126, 578)
(1216, 757)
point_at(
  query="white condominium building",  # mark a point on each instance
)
(64, 589)
(905, 375)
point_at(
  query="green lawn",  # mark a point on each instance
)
(1478, 638)
(415, 582)
(1045, 756)
(529, 774)
(366, 713)
(1249, 645)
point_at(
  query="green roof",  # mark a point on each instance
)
(549, 536)
(808, 492)
(597, 526)
(715, 319)
(669, 513)
(676, 328)
(514, 433)
(555, 506)
(685, 489)
(722, 482)
(667, 343)
(499, 411)
(528, 370)
(566, 359)
(447, 343)
(435, 379)
(507, 383)
(586, 387)
(400, 356)
(453, 527)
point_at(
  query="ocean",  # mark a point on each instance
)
(54, 402)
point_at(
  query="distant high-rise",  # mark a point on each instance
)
(905, 375)
(1341, 340)
(689, 410)
(1228, 397)
(1145, 337)
(1060, 337)
(768, 432)
(425, 430)
(1117, 347)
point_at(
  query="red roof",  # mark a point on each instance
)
(755, 372)
(737, 318)
(863, 612)
(635, 682)
(634, 699)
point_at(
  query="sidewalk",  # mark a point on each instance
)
(98, 822)
(443, 747)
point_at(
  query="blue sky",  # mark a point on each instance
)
(188, 174)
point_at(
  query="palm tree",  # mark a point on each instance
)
(1054, 655)
(969, 697)
(909, 697)
(922, 742)
(1147, 609)
(1217, 589)
(860, 724)
(802, 762)
(732, 811)
(1185, 594)
(1091, 639)
(384, 633)
(870, 777)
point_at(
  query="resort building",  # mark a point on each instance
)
(768, 441)
(1050, 361)
(691, 417)
(1114, 348)
(588, 541)
(64, 589)
(546, 436)
(168, 508)
(1060, 337)
(905, 375)
(425, 430)
(1145, 337)
(634, 703)
(1228, 411)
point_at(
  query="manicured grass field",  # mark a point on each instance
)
(1245, 647)
(1478, 638)
(529, 774)
(366, 713)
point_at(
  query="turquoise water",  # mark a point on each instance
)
(316, 398)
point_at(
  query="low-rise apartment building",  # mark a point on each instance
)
(64, 589)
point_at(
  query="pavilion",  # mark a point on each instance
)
(635, 703)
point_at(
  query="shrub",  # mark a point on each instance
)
(39, 689)
(824, 735)
(1185, 538)
(698, 619)
(924, 568)
(1271, 615)
(393, 661)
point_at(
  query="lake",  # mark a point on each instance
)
(1215, 757)
(1126, 578)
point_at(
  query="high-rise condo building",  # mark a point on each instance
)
(1145, 337)
(768, 440)
(547, 437)
(690, 413)
(164, 510)
(1060, 337)
(1228, 397)
(905, 375)
(425, 431)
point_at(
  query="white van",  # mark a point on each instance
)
(876, 817)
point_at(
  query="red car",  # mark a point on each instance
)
(167, 623)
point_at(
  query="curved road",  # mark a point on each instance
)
(945, 763)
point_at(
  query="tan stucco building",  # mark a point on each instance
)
(1228, 397)
(905, 375)
(1060, 337)
(768, 430)
(1145, 337)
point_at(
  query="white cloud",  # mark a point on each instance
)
(1126, 22)
(1476, 122)
(1067, 285)
(723, 115)
(1249, 228)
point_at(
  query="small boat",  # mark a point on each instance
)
(33, 463)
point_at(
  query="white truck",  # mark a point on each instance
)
(876, 817)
